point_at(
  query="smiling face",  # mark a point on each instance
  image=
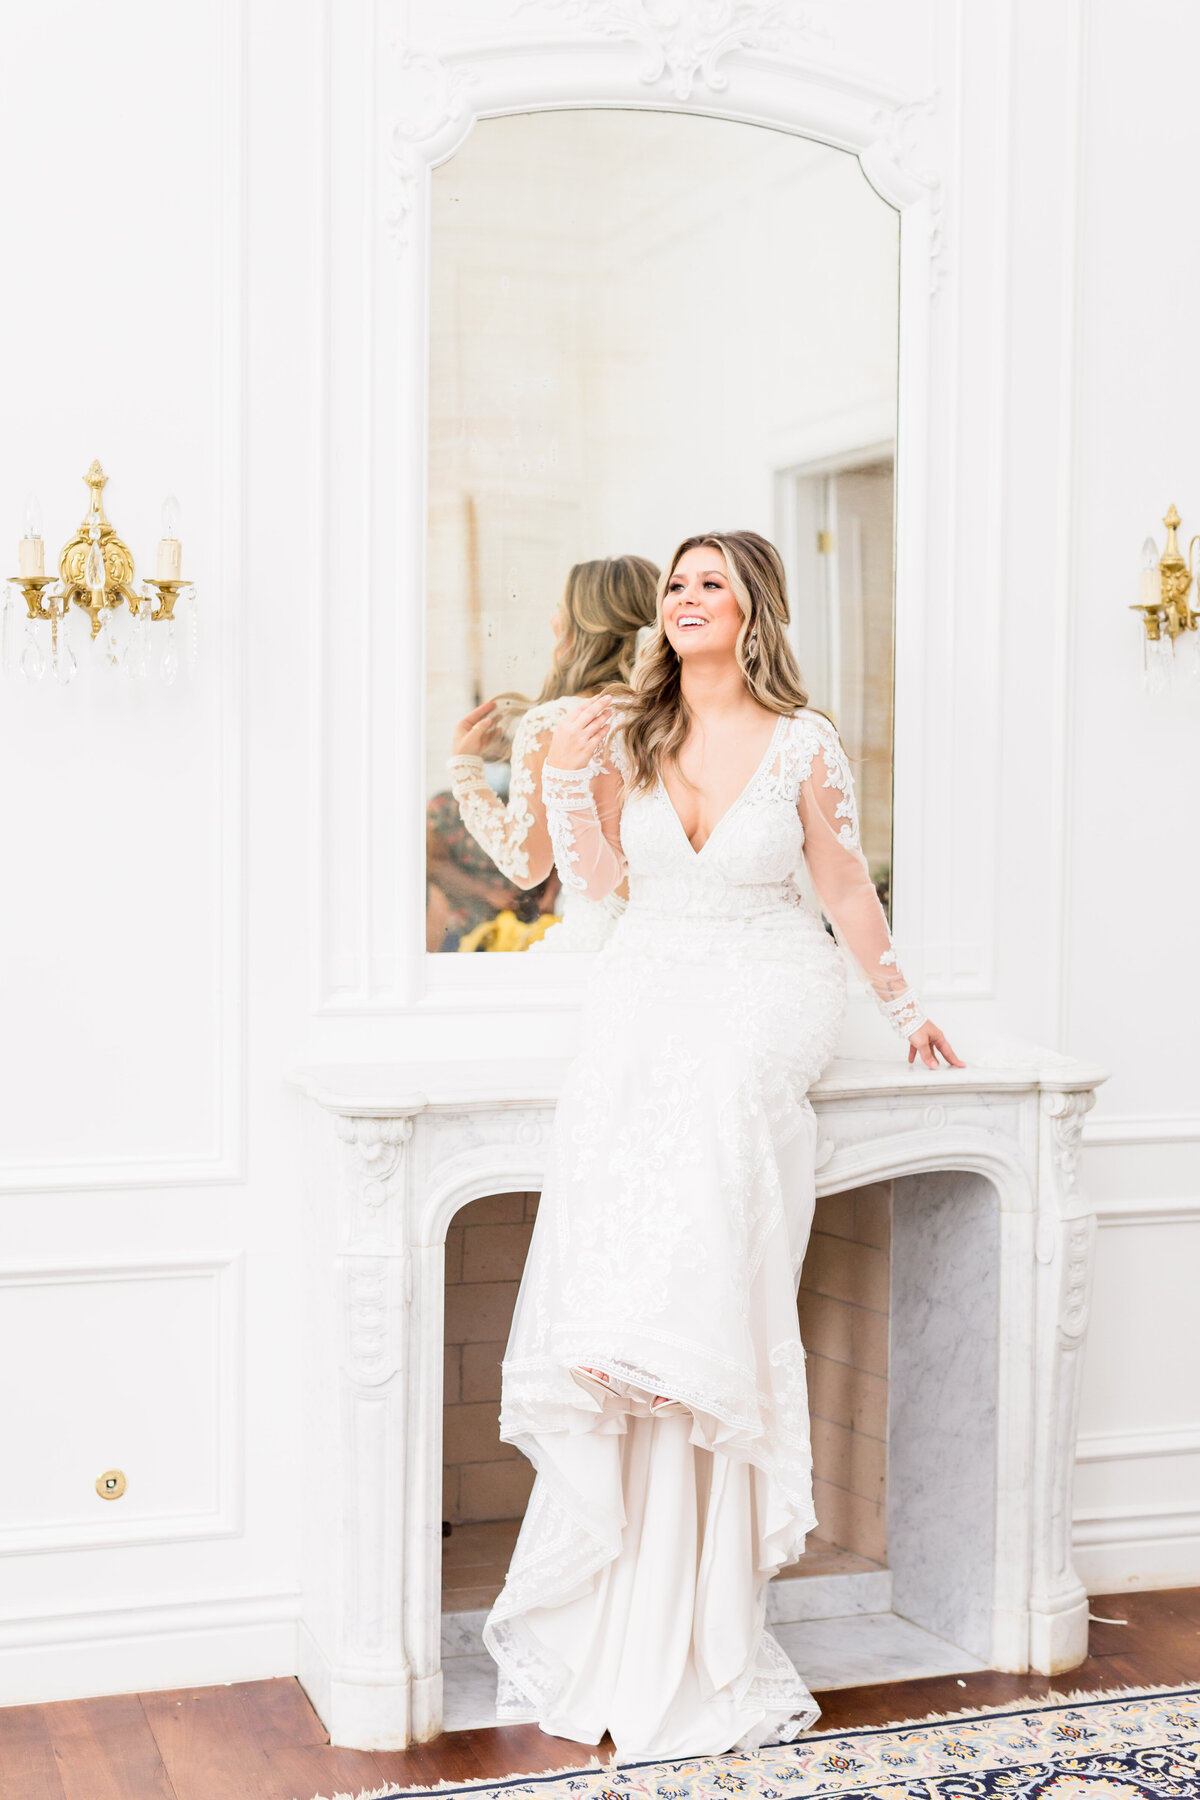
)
(701, 614)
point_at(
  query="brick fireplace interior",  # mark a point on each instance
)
(843, 1309)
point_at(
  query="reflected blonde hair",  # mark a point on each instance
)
(604, 606)
(654, 716)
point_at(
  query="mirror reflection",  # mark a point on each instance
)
(642, 325)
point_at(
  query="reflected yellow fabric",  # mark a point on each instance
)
(507, 932)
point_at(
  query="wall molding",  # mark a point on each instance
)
(1065, 580)
(1177, 1209)
(1131, 1525)
(1118, 1446)
(226, 1161)
(86, 1175)
(226, 1518)
(1142, 1128)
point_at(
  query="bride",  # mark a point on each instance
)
(606, 605)
(654, 1375)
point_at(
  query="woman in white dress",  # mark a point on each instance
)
(605, 604)
(654, 1375)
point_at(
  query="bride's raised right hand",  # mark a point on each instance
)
(474, 734)
(580, 734)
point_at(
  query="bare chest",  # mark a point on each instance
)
(712, 774)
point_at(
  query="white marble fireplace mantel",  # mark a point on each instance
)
(991, 1262)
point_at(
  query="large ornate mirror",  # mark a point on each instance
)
(644, 325)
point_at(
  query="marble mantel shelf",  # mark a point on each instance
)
(398, 1090)
(992, 1244)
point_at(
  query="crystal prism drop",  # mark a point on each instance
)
(106, 642)
(137, 653)
(170, 661)
(33, 663)
(189, 598)
(93, 575)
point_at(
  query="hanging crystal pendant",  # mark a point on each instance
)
(106, 641)
(8, 614)
(137, 650)
(193, 634)
(33, 662)
(170, 661)
(68, 662)
(1158, 666)
(93, 574)
(65, 664)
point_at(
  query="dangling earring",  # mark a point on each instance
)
(752, 644)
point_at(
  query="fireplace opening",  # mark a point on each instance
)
(843, 1308)
(896, 1274)
(485, 1484)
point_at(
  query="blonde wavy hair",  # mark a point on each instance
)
(604, 606)
(653, 714)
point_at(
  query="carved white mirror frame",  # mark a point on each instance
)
(370, 656)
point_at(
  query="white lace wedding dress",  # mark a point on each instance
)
(673, 1222)
(504, 830)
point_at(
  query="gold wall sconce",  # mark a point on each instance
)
(1163, 591)
(147, 630)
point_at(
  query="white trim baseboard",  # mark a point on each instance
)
(1124, 1525)
(191, 1641)
(1117, 1551)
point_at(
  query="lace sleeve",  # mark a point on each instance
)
(843, 882)
(515, 836)
(583, 813)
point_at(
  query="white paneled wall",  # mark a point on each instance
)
(133, 1366)
(156, 869)
(206, 886)
(1132, 862)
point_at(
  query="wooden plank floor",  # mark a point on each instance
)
(261, 1740)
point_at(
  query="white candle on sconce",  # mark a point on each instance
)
(170, 550)
(1149, 586)
(32, 551)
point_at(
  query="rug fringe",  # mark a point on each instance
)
(1026, 1702)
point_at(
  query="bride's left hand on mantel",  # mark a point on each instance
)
(929, 1043)
(580, 734)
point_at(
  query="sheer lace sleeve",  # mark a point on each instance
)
(515, 836)
(583, 809)
(843, 882)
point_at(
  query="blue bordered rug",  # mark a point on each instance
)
(1114, 1746)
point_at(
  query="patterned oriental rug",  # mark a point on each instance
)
(1116, 1746)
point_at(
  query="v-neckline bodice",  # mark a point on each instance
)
(768, 753)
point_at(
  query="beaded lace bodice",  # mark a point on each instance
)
(797, 807)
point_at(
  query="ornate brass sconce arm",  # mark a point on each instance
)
(168, 592)
(32, 587)
(1166, 611)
